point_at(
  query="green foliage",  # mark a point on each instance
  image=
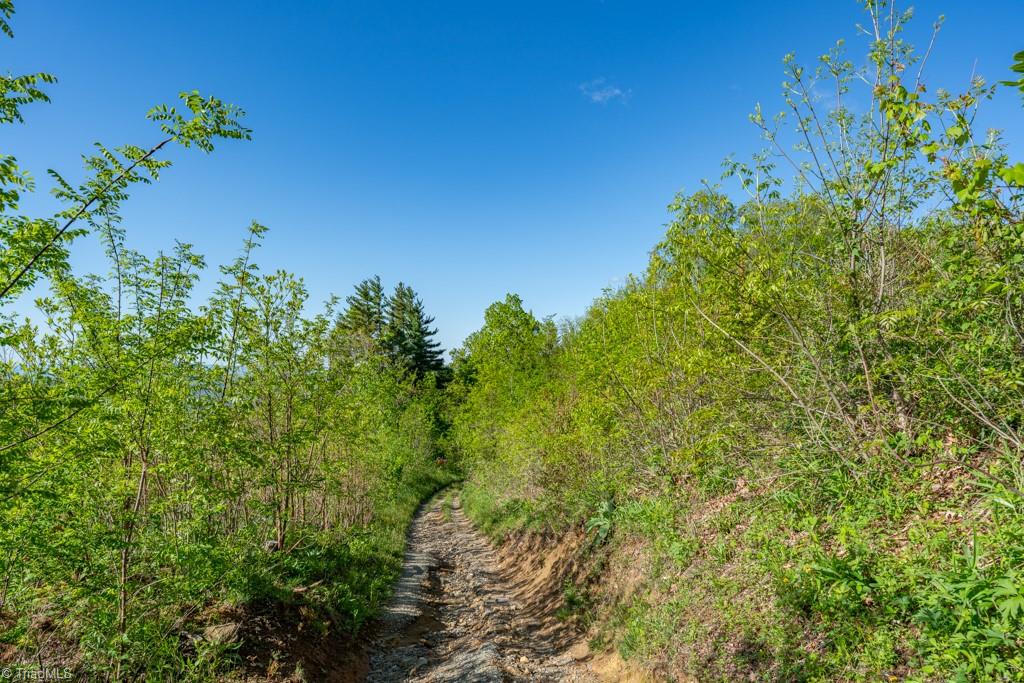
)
(407, 335)
(179, 459)
(576, 602)
(366, 312)
(601, 523)
(208, 119)
(807, 410)
(397, 326)
(1018, 67)
(971, 620)
(163, 462)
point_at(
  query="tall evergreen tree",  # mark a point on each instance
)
(426, 351)
(409, 337)
(366, 315)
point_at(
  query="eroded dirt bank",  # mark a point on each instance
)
(460, 613)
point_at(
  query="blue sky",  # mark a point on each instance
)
(468, 148)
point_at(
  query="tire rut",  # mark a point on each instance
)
(454, 615)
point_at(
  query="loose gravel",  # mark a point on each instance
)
(454, 616)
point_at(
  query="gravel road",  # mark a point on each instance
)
(455, 617)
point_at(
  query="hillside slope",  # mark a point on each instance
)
(798, 434)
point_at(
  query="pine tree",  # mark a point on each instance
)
(399, 319)
(426, 352)
(408, 337)
(365, 318)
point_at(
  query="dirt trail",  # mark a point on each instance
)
(458, 616)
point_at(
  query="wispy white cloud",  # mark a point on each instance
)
(600, 91)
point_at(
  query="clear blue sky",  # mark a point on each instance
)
(467, 148)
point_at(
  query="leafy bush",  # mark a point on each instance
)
(163, 462)
(806, 408)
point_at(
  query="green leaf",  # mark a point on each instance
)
(1014, 175)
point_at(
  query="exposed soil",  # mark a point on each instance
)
(462, 613)
(281, 645)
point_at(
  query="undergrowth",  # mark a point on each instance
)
(802, 424)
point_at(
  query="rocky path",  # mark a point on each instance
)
(456, 614)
